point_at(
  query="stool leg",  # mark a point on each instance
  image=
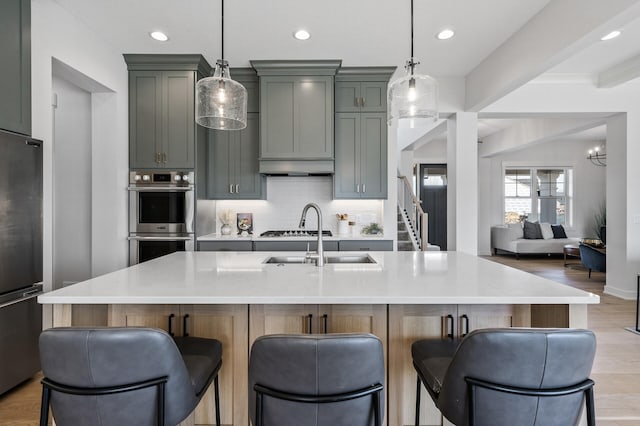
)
(418, 401)
(591, 413)
(216, 389)
(44, 408)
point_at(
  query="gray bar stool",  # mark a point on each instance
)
(507, 377)
(316, 380)
(125, 376)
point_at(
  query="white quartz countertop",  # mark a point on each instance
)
(336, 237)
(243, 278)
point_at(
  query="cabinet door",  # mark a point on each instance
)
(374, 96)
(15, 67)
(346, 180)
(281, 319)
(248, 182)
(225, 246)
(474, 317)
(178, 144)
(373, 155)
(366, 245)
(408, 323)
(277, 117)
(229, 325)
(354, 319)
(219, 168)
(155, 316)
(347, 96)
(313, 120)
(145, 119)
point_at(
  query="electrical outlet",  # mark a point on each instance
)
(636, 219)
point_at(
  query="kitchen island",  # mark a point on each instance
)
(236, 297)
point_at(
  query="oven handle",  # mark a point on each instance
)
(160, 189)
(138, 238)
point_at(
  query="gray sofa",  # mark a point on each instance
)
(510, 238)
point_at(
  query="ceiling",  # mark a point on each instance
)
(360, 32)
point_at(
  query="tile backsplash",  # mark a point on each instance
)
(286, 197)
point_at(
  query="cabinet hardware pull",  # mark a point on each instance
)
(184, 325)
(357, 101)
(230, 188)
(466, 329)
(364, 187)
(362, 101)
(450, 328)
(237, 188)
(310, 319)
(171, 317)
(164, 157)
(157, 157)
(358, 188)
(324, 323)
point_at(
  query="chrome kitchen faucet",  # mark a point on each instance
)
(319, 255)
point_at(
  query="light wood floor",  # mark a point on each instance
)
(616, 370)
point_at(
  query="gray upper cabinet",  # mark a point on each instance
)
(296, 115)
(353, 96)
(15, 66)
(361, 133)
(361, 156)
(232, 166)
(162, 129)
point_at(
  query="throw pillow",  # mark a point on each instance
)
(558, 231)
(547, 232)
(532, 231)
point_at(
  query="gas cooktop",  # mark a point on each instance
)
(295, 233)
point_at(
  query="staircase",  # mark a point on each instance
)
(405, 243)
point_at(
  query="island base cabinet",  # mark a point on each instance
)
(409, 323)
(227, 323)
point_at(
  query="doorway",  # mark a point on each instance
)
(432, 184)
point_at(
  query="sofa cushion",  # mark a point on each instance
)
(532, 231)
(545, 229)
(558, 231)
(516, 230)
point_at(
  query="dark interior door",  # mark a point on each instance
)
(432, 182)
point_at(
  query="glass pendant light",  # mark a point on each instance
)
(221, 103)
(414, 97)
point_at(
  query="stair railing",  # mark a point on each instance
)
(412, 210)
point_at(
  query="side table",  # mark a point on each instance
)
(570, 250)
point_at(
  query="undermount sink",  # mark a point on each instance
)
(345, 259)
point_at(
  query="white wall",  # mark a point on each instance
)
(72, 196)
(56, 34)
(589, 184)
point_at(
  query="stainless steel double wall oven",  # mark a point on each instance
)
(161, 213)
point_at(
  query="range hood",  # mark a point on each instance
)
(296, 167)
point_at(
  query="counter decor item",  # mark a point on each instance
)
(226, 218)
(245, 223)
(353, 228)
(343, 225)
(372, 229)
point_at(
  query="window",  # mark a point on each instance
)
(542, 194)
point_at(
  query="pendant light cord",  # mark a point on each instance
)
(222, 29)
(411, 29)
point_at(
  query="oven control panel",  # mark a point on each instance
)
(161, 178)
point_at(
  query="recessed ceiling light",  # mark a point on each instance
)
(158, 35)
(302, 35)
(611, 35)
(445, 34)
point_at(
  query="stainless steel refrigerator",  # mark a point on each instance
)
(20, 257)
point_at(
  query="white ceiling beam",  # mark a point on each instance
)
(525, 133)
(561, 29)
(620, 73)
